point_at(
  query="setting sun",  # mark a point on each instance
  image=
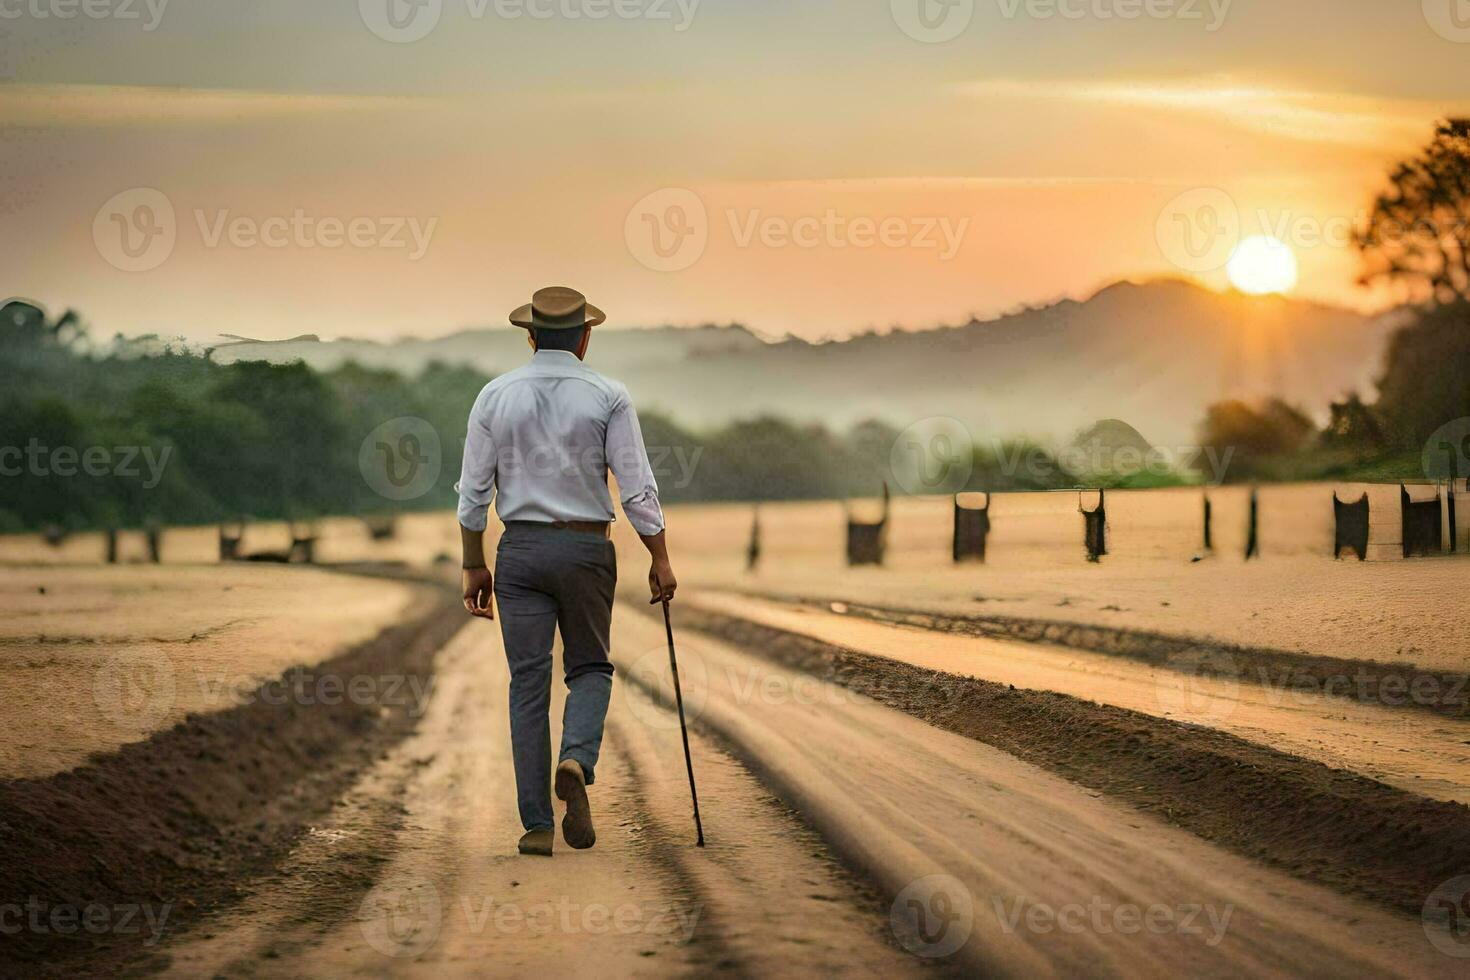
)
(1263, 264)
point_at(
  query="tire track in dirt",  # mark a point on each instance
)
(777, 899)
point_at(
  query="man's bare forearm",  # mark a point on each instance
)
(657, 546)
(661, 581)
(473, 545)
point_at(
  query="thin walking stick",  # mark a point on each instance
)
(683, 728)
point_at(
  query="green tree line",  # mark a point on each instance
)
(111, 440)
(93, 439)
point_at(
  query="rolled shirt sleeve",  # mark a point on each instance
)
(476, 486)
(627, 457)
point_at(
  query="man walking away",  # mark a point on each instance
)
(541, 441)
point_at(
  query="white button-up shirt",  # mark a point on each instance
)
(541, 441)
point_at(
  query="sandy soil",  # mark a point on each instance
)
(438, 890)
(419, 538)
(1415, 751)
(1011, 870)
(1294, 598)
(97, 657)
(177, 823)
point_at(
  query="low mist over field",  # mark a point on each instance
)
(1155, 355)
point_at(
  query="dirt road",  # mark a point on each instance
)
(1006, 868)
(416, 874)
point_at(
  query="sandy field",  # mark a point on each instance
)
(1416, 751)
(418, 540)
(96, 657)
(1294, 598)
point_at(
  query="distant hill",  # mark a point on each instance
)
(1155, 354)
(1110, 448)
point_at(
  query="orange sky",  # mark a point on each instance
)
(802, 167)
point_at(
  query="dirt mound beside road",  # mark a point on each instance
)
(98, 862)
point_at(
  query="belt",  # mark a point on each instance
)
(602, 529)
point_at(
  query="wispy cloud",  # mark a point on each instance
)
(859, 184)
(69, 106)
(1298, 114)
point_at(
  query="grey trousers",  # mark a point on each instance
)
(547, 578)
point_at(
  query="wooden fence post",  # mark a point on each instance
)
(971, 528)
(1422, 523)
(866, 543)
(1350, 526)
(1095, 526)
(1253, 531)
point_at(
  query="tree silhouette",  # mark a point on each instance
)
(25, 323)
(1418, 236)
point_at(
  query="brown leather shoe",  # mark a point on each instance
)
(537, 842)
(571, 786)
